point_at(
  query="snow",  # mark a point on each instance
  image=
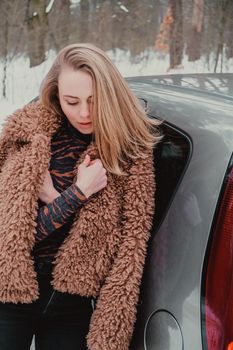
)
(23, 82)
(49, 7)
(124, 8)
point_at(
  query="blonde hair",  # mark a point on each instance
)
(121, 127)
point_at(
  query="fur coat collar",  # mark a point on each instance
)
(104, 254)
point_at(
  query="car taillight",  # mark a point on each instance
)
(218, 283)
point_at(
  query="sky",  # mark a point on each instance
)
(23, 82)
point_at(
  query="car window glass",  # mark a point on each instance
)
(171, 157)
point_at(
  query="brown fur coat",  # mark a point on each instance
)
(104, 254)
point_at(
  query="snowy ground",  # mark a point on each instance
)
(23, 83)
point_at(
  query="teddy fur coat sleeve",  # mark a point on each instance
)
(113, 320)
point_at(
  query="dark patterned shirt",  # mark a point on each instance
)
(55, 219)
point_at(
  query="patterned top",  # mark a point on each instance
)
(55, 219)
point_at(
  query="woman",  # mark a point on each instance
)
(76, 207)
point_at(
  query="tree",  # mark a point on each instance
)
(162, 42)
(59, 25)
(37, 27)
(176, 34)
(224, 15)
(194, 43)
(11, 22)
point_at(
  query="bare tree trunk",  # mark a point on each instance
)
(37, 26)
(194, 44)
(59, 25)
(224, 15)
(176, 34)
(84, 11)
(162, 42)
(6, 48)
(229, 31)
(6, 28)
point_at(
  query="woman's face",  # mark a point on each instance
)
(75, 89)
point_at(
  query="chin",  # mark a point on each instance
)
(85, 131)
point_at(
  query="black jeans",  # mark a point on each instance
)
(59, 321)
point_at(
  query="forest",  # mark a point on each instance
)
(196, 28)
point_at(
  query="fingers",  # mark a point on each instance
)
(96, 164)
(91, 176)
(87, 160)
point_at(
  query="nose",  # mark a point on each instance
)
(84, 110)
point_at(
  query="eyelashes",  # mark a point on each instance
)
(76, 103)
(72, 104)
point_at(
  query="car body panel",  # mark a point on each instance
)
(174, 267)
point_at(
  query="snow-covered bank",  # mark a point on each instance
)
(23, 83)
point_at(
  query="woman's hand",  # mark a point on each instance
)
(91, 176)
(47, 191)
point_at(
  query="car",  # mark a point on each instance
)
(186, 294)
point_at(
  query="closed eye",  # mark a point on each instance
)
(72, 103)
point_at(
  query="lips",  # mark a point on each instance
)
(85, 125)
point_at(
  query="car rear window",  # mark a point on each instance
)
(171, 159)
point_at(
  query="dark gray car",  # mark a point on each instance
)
(186, 299)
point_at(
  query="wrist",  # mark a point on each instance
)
(52, 194)
(83, 189)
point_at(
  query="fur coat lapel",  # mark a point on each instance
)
(25, 155)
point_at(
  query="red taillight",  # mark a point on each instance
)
(219, 277)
